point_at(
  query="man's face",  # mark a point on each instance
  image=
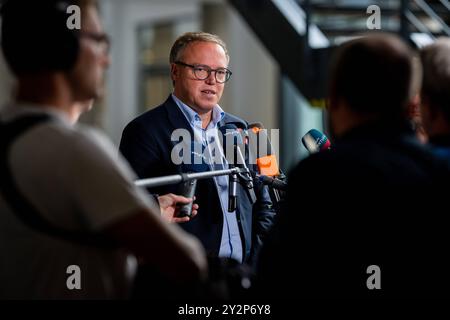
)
(201, 95)
(87, 76)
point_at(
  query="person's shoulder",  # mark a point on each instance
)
(151, 115)
(63, 132)
(230, 118)
(312, 161)
(85, 136)
(70, 143)
(326, 165)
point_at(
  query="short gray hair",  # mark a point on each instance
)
(184, 40)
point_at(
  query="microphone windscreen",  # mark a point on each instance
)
(257, 125)
(315, 141)
(231, 138)
(231, 130)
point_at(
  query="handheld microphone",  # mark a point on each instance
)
(195, 162)
(315, 141)
(188, 191)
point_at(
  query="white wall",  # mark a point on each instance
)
(120, 20)
(253, 91)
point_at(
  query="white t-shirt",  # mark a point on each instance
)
(75, 179)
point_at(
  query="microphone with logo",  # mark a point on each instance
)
(315, 141)
(261, 148)
(270, 173)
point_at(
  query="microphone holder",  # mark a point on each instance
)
(246, 180)
(277, 187)
(177, 178)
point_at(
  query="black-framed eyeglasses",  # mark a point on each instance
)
(203, 72)
(102, 39)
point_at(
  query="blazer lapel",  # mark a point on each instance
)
(176, 116)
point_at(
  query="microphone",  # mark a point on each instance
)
(232, 140)
(274, 182)
(231, 131)
(261, 148)
(266, 161)
(315, 141)
(232, 192)
(246, 176)
(187, 190)
(193, 162)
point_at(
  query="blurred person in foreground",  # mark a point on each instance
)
(365, 219)
(66, 200)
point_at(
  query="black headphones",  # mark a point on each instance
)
(35, 36)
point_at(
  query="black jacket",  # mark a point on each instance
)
(377, 198)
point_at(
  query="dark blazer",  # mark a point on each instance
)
(146, 144)
(376, 198)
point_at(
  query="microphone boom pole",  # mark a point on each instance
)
(177, 178)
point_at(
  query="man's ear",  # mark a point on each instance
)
(174, 71)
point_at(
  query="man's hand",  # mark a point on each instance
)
(169, 209)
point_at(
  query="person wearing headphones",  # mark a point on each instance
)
(72, 223)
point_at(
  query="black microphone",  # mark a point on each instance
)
(235, 158)
(229, 134)
(232, 192)
(187, 190)
(247, 177)
(193, 162)
(315, 141)
(231, 137)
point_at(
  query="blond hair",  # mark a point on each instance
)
(184, 40)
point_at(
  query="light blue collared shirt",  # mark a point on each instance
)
(231, 243)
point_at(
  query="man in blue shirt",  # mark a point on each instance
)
(199, 70)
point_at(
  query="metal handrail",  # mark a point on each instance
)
(418, 24)
(446, 4)
(430, 12)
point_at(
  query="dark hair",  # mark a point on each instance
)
(35, 37)
(373, 74)
(436, 75)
